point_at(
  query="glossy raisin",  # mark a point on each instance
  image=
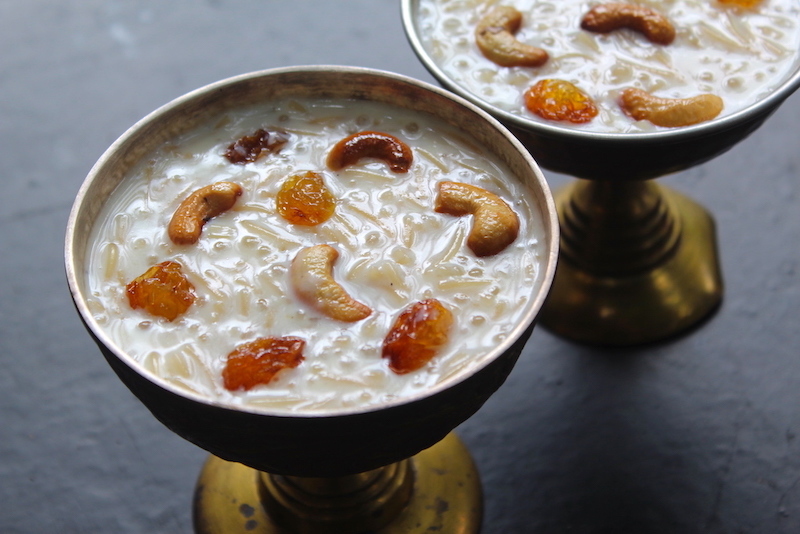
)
(417, 335)
(304, 199)
(747, 4)
(257, 362)
(559, 100)
(162, 290)
(249, 148)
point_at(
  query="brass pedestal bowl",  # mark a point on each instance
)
(638, 261)
(390, 467)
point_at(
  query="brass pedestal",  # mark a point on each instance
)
(638, 264)
(435, 491)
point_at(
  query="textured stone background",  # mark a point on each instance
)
(698, 435)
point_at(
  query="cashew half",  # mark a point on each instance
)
(311, 275)
(494, 226)
(388, 148)
(494, 36)
(669, 112)
(606, 18)
(200, 207)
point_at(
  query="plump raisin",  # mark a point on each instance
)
(417, 335)
(741, 3)
(251, 147)
(257, 362)
(747, 4)
(559, 100)
(304, 199)
(162, 290)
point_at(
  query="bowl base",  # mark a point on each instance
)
(445, 496)
(665, 299)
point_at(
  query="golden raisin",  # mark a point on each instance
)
(257, 362)
(559, 100)
(417, 335)
(251, 147)
(741, 3)
(162, 290)
(303, 199)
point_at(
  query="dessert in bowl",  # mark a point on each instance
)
(305, 211)
(744, 56)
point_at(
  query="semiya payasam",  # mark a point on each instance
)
(736, 50)
(394, 251)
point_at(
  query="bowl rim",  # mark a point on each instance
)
(77, 286)
(752, 112)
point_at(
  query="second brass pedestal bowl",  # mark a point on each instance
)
(318, 448)
(638, 261)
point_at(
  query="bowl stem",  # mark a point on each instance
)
(436, 490)
(638, 263)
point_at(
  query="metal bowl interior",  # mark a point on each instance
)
(339, 441)
(614, 156)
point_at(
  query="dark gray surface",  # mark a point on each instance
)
(699, 435)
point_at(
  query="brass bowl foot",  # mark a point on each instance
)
(638, 264)
(437, 490)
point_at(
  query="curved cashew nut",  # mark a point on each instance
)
(494, 36)
(388, 148)
(495, 225)
(311, 276)
(606, 18)
(669, 112)
(200, 207)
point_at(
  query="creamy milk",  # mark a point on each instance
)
(394, 250)
(740, 55)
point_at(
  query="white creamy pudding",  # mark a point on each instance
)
(738, 54)
(394, 250)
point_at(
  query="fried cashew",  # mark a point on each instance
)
(494, 225)
(311, 275)
(494, 36)
(669, 112)
(395, 153)
(606, 18)
(199, 208)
